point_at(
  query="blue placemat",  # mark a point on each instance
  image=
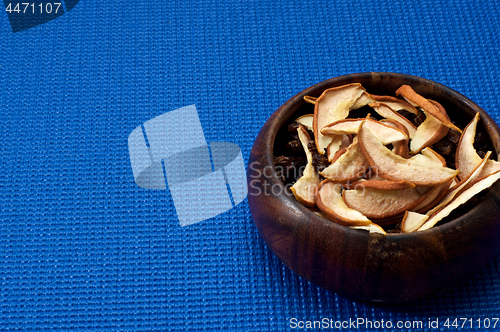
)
(82, 247)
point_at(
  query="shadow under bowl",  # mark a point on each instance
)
(355, 263)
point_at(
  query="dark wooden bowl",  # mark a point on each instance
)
(355, 263)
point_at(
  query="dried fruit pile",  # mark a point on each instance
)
(406, 164)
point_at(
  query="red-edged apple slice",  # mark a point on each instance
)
(335, 146)
(462, 198)
(429, 107)
(412, 221)
(385, 133)
(303, 189)
(328, 196)
(393, 167)
(363, 100)
(350, 166)
(382, 204)
(382, 184)
(395, 103)
(388, 113)
(466, 158)
(306, 121)
(334, 104)
(430, 131)
(434, 196)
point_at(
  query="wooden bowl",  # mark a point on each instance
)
(355, 263)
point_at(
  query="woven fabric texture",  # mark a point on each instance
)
(82, 247)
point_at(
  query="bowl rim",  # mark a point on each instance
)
(351, 78)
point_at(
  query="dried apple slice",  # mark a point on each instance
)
(466, 158)
(427, 134)
(388, 113)
(475, 175)
(363, 100)
(429, 107)
(462, 198)
(412, 221)
(310, 99)
(385, 133)
(303, 189)
(350, 166)
(334, 146)
(328, 197)
(428, 155)
(306, 121)
(334, 104)
(382, 204)
(434, 196)
(395, 103)
(372, 228)
(382, 184)
(393, 167)
(400, 147)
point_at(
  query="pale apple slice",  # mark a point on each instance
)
(395, 103)
(462, 198)
(328, 196)
(382, 204)
(434, 196)
(388, 113)
(412, 221)
(363, 100)
(393, 167)
(334, 146)
(334, 104)
(372, 228)
(475, 175)
(427, 134)
(428, 155)
(306, 121)
(303, 189)
(429, 107)
(385, 133)
(350, 166)
(401, 147)
(466, 158)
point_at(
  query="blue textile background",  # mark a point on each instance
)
(82, 247)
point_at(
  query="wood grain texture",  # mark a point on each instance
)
(354, 263)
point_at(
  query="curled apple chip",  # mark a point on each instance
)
(466, 158)
(429, 107)
(334, 104)
(328, 196)
(303, 189)
(306, 121)
(385, 133)
(393, 167)
(388, 113)
(350, 166)
(427, 134)
(395, 103)
(400, 147)
(462, 198)
(428, 155)
(382, 184)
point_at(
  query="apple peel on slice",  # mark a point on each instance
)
(350, 166)
(328, 197)
(385, 133)
(425, 104)
(372, 228)
(390, 166)
(334, 104)
(466, 158)
(303, 189)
